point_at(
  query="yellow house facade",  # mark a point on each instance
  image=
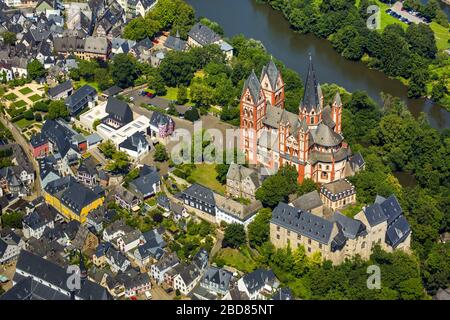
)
(70, 214)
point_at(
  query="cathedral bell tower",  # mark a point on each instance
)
(253, 110)
(336, 113)
(272, 84)
(311, 106)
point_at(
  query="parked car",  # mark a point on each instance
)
(169, 290)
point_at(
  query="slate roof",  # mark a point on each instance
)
(308, 201)
(200, 259)
(203, 34)
(202, 193)
(168, 260)
(175, 43)
(79, 95)
(3, 247)
(272, 73)
(220, 277)
(284, 293)
(112, 91)
(238, 210)
(254, 86)
(325, 136)
(37, 140)
(60, 88)
(41, 216)
(239, 173)
(397, 231)
(78, 196)
(147, 3)
(153, 246)
(88, 166)
(357, 160)
(163, 201)
(144, 183)
(374, 214)
(351, 228)
(327, 118)
(189, 273)
(125, 44)
(96, 45)
(256, 280)
(116, 256)
(119, 110)
(58, 134)
(389, 210)
(159, 118)
(101, 249)
(56, 276)
(311, 99)
(145, 43)
(68, 44)
(133, 141)
(302, 222)
(125, 195)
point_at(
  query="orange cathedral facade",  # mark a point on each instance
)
(311, 140)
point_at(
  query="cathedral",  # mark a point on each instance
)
(311, 140)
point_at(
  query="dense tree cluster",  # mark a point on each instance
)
(397, 52)
(119, 161)
(234, 236)
(202, 75)
(174, 15)
(35, 69)
(279, 186)
(160, 154)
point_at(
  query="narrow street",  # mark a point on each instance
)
(18, 138)
(218, 245)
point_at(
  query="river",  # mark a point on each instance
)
(261, 22)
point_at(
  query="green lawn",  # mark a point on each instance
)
(82, 82)
(442, 35)
(22, 123)
(352, 210)
(11, 96)
(35, 97)
(205, 174)
(172, 95)
(25, 91)
(19, 104)
(239, 259)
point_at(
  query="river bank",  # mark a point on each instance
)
(261, 22)
(380, 58)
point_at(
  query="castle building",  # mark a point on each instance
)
(338, 237)
(311, 140)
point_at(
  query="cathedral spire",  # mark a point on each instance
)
(311, 99)
(253, 84)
